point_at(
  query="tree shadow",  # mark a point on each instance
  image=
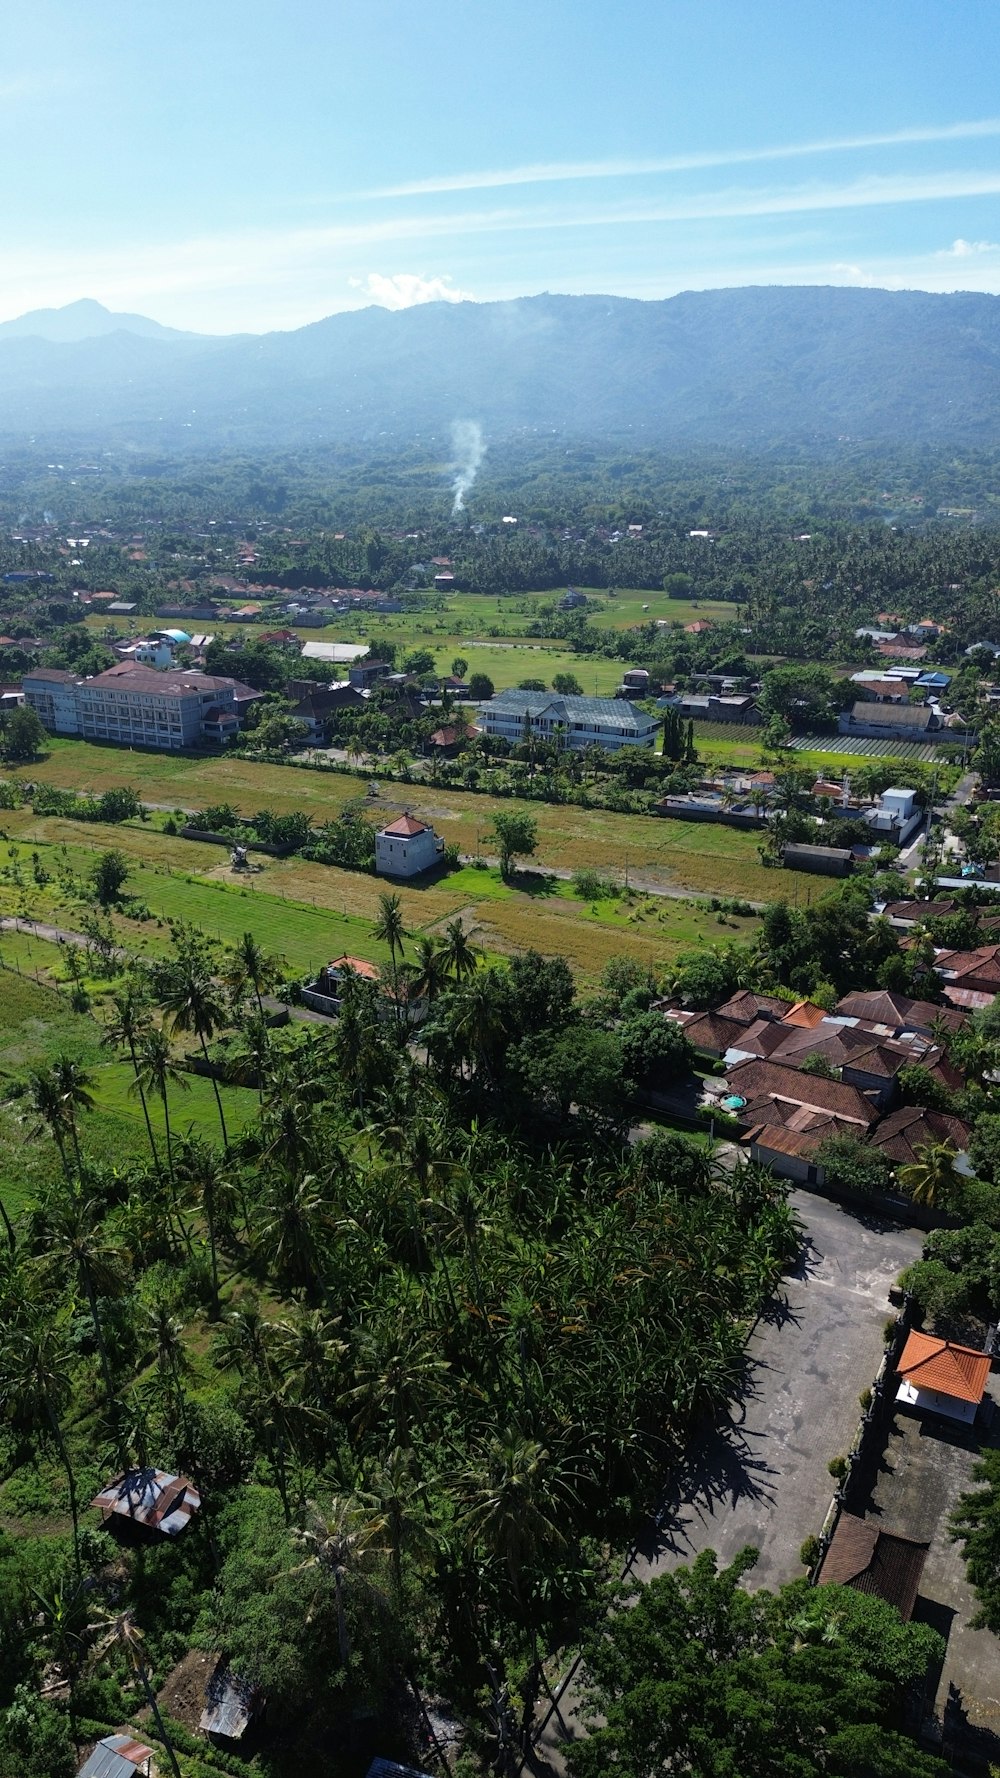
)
(532, 882)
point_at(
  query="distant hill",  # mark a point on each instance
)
(85, 320)
(744, 367)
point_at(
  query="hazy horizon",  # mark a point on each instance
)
(247, 171)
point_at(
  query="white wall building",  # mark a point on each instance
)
(569, 722)
(135, 706)
(406, 848)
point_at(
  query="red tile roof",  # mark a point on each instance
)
(904, 1132)
(787, 1088)
(405, 828)
(883, 1563)
(929, 1363)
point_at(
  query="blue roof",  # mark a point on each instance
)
(941, 679)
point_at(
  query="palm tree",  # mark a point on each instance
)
(166, 1333)
(156, 1070)
(294, 1229)
(513, 1498)
(341, 1544)
(398, 1376)
(127, 1028)
(202, 1167)
(73, 1244)
(35, 1387)
(252, 968)
(73, 1086)
(932, 1179)
(460, 958)
(389, 930)
(123, 1636)
(428, 971)
(192, 1002)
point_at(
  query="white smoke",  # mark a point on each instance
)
(467, 444)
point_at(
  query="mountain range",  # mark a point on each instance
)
(745, 367)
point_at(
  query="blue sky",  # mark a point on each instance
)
(245, 166)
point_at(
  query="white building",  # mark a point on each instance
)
(942, 1378)
(406, 848)
(896, 815)
(135, 706)
(569, 722)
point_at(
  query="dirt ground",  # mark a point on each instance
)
(183, 1695)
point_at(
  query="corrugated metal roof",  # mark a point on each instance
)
(571, 709)
(388, 1768)
(117, 1756)
(230, 1704)
(150, 1497)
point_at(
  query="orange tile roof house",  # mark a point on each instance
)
(941, 1377)
(406, 847)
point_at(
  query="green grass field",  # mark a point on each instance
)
(37, 1025)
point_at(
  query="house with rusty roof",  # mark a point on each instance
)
(148, 1500)
(884, 1564)
(941, 1377)
(977, 971)
(118, 1756)
(897, 1014)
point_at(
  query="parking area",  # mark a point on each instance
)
(927, 1465)
(760, 1476)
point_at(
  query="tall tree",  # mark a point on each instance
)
(389, 930)
(192, 1003)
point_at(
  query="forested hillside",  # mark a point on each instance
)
(736, 366)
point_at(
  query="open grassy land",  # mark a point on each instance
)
(677, 854)
(37, 1025)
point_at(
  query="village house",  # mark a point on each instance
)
(406, 848)
(941, 1377)
(150, 1499)
(883, 1563)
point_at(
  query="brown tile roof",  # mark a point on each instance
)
(52, 676)
(748, 1006)
(883, 1563)
(903, 1132)
(779, 1139)
(359, 966)
(981, 965)
(174, 684)
(896, 1010)
(929, 1363)
(405, 828)
(787, 1087)
(919, 910)
(710, 1031)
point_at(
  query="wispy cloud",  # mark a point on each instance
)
(552, 172)
(404, 290)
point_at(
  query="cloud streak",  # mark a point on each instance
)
(553, 172)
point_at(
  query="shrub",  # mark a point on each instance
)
(809, 1552)
(837, 1467)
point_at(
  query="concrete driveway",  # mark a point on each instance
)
(761, 1475)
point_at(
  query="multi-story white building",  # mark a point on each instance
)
(135, 706)
(568, 721)
(406, 847)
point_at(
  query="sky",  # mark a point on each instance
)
(241, 167)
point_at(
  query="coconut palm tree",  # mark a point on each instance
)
(342, 1544)
(156, 1070)
(122, 1636)
(427, 971)
(73, 1085)
(165, 1333)
(129, 1025)
(389, 930)
(74, 1246)
(201, 1167)
(932, 1179)
(459, 957)
(192, 1003)
(251, 968)
(294, 1230)
(514, 1497)
(35, 1388)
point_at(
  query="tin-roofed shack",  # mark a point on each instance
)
(231, 1704)
(148, 1500)
(118, 1756)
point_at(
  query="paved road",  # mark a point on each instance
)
(760, 1475)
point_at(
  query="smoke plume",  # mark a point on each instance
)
(467, 444)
